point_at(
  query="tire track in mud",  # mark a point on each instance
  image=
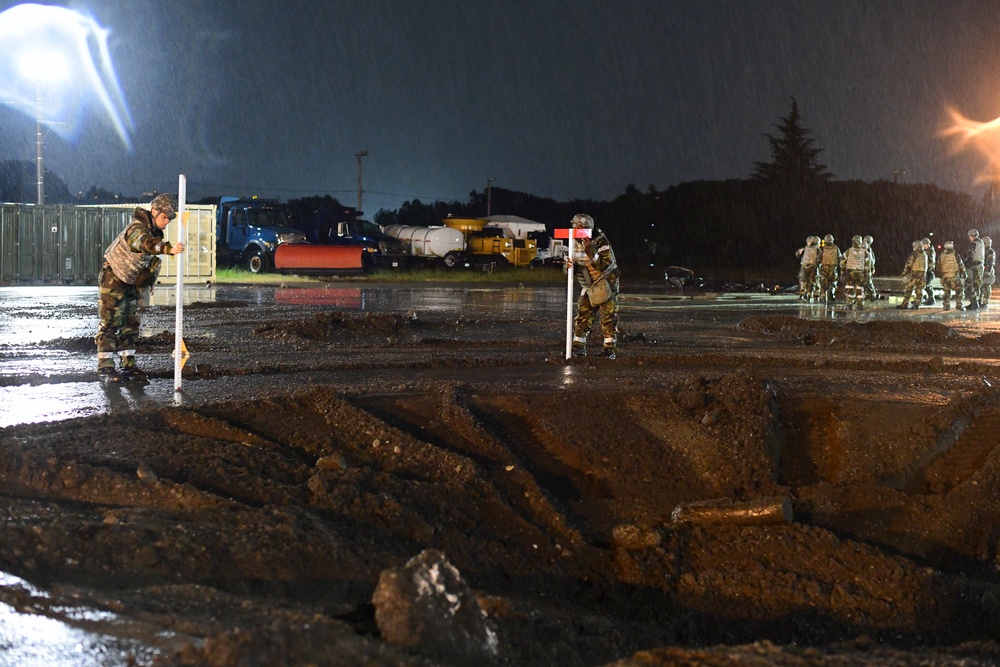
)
(449, 421)
(811, 450)
(962, 458)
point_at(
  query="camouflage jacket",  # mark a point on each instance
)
(595, 259)
(133, 252)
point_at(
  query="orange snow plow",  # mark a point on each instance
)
(309, 258)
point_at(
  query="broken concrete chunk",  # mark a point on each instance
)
(427, 607)
(759, 511)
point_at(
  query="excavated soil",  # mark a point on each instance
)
(254, 531)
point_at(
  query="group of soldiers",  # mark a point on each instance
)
(823, 266)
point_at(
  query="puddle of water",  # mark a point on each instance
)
(34, 640)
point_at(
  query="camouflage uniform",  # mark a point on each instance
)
(808, 268)
(931, 263)
(854, 266)
(989, 272)
(829, 266)
(130, 265)
(915, 273)
(871, 294)
(951, 268)
(593, 259)
(974, 259)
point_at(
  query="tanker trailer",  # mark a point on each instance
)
(442, 244)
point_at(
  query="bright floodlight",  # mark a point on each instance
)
(44, 67)
(44, 45)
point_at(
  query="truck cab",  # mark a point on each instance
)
(384, 250)
(249, 230)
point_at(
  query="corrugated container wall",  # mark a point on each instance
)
(65, 244)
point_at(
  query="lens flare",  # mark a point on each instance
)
(59, 57)
(966, 133)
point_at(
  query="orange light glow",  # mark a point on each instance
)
(984, 137)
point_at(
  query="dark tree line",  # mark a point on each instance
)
(733, 228)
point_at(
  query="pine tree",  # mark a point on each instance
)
(793, 156)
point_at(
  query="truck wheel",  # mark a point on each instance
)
(450, 260)
(256, 261)
(536, 264)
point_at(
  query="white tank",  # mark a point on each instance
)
(428, 241)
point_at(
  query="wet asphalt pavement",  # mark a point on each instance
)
(47, 373)
(47, 360)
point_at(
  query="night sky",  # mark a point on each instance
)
(558, 98)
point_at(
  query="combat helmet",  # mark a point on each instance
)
(828, 238)
(987, 241)
(949, 245)
(917, 245)
(164, 204)
(856, 241)
(973, 233)
(582, 221)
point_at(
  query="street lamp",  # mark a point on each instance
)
(359, 156)
(489, 195)
(43, 68)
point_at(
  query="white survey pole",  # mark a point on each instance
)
(570, 235)
(179, 348)
(569, 302)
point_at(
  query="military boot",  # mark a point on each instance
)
(108, 374)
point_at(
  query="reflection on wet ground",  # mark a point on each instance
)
(48, 358)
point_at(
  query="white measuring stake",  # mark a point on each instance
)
(569, 308)
(570, 235)
(179, 348)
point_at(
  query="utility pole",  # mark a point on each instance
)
(489, 194)
(39, 167)
(359, 156)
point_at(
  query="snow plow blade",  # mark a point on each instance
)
(307, 258)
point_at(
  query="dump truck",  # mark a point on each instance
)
(256, 234)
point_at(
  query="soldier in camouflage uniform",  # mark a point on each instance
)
(928, 247)
(870, 292)
(989, 272)
(915, 273)
(808, 268)
(130, 265)
(853, 267)
(951, 268)
(974, 258)
(594, 263)
(829, 267)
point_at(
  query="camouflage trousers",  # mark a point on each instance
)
(854, 288)
(974, 282)
(118, 308)
(870, 293)
(585, 313)
(828, 282)
(952, 288)
(914, 287)
(807, 281)
(988, 280)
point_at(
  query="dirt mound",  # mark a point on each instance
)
(839, 333)
(337, 325)
(301, 500)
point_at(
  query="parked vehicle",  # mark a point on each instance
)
(344, 226)
(257, 235)
(443, 245)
